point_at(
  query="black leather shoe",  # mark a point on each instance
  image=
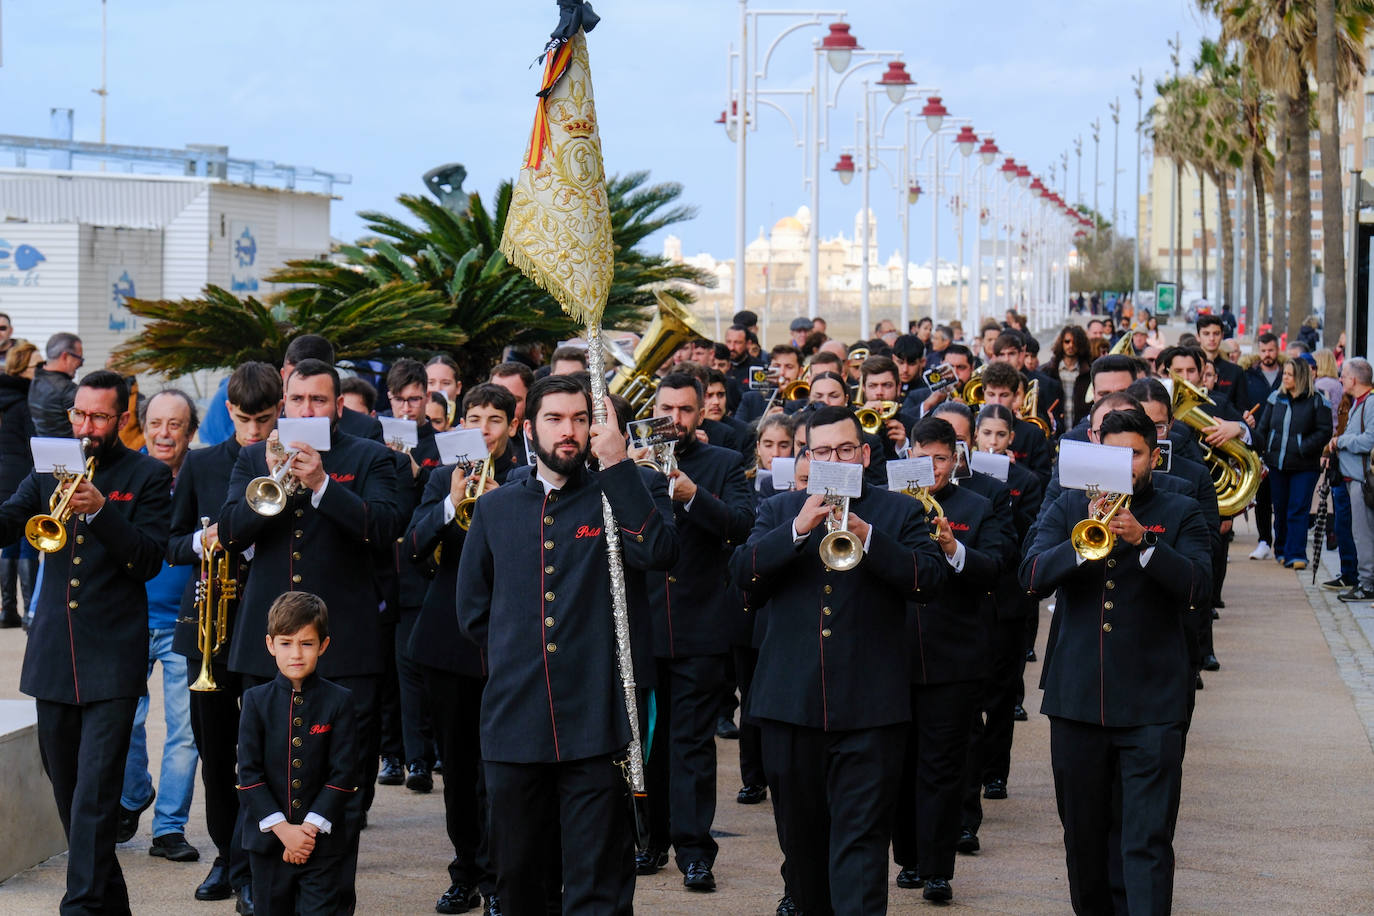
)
(788, 907)
(1019, 713)
(128, 820)
(390, 772)
(938, 890)
(10, 621)
(438, 768)
(492, 907)
(726, 728)
(649, 861)
(418, 777)
(699, 877)
(174, 848)
(1215, 615)
(1219, 604)
(967, 844)
(216, 884)
(996, 788)
(459, 898)
(1210, 663)
(244, 905)
(1197, 685)
(909, 879)
(752, 795)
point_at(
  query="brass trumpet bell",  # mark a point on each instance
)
(871, 419)
(841, 550)
(1091, 538)
(265, 495)
(972, 392)
(48, 532)
(475, 488)
(45, 533)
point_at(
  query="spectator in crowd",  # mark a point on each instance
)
(1071, 363)
(1154, 337)
(1352, 450)
(18, 562)
(1292, 432)
(1310, 333)
(568, 359)
(1328, 379)
(800, 330)
(54, 385)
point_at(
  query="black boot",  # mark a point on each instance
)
(9, 604)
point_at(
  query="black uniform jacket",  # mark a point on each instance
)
(833, 653)
(947, 626)
(1231, 385)
(200, 490)
(330, 551)
(1030, 448)
(436, 640)
(1120, 656)
(354, 423)
(89, 637)
(298, 755)
(693, 601)
(1016, 501)
(406, 584)
(534, 593)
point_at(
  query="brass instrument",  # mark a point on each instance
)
(672, 327)
(871, 419)
(1235, 468)
(1123, 346)
(930, 504)
(841, 549)
(799, 390)
(215, 589)
(267, 495)
(1091, 538)
(972, 392)
(858, 355)
(1030, 407)
(662, 458)
(48, 532)
(474, 489)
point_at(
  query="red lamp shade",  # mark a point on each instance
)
(839, 46)
(844, 169)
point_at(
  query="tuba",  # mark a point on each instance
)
(841, 549)
(1091, 538)
(267, 495)
(871, 419)
(48, 532)
(1235, 468)
(474, 489)
(672, 327)
(215, 589)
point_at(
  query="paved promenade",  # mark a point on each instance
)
(1277, 813)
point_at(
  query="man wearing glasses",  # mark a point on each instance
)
(87, 654)
(6, 334)
(54, 385)
(831, 690)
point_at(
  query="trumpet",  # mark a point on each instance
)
(267, 495)
(929, 503)
(841, 549)
(871, 419)
(215, 589)
(798, 390)
(48, 532)
(662, 457)
(1091, 538)
(475, 488)
(972, 392)
(1030, 407)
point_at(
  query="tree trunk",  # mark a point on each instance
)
(1333, 216)
(1202, 210)
(1227, 285)
(1278, 273)
(1178, 231)
(1261, 266)
(1300, 223)
(1248, 216)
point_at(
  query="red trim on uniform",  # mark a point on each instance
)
(339, 788)
(253, 786)
(825, 702)
(1030, 586)
(71, 636)
(543, 632)
(289, 704)
(640, 529)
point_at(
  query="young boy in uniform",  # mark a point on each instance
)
(297, 767)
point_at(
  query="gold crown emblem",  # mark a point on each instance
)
(580, 127)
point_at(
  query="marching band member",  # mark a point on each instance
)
(254, 401)
(325, 540)
(1116, 684)
(553, 723)
(712, 513)
(1002, 385)
(833, 710)
(313, 346)
(947, 637)
(87, 653)
(880, 384)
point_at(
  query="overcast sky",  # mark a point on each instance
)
(385, 91)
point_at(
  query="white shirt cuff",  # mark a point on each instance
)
(1245, 433)
(960, 554)
(450, 513)
(91, 515)
(796, 538)
(198, 545)
(687, 507)
(248, 554)
(1145, 555)
(319, 821)
(316, 496)
(903, 449)
(272, 820)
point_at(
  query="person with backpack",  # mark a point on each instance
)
(1352, 450)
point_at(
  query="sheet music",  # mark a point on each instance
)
(838, 477)
(461, 446)
(313, 431)
(1086, 466)
(51, 453)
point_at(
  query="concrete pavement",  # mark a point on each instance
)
(1277, 813)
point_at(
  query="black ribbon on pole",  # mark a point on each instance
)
(572, 15)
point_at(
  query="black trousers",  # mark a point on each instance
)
(1008, 650)
(834, 794)
(281, 889)
(681, 773)
(750, 743)
(1264, 512)
(456, 702)
(588, 799)
(417, 733)
(1144, 764)
(1032, 624)
(83, 750)
(389, 742)
(215, 725)
(931, 789)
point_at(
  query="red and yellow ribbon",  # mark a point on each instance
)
(555, 64)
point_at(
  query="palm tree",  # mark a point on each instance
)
(475, 303)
